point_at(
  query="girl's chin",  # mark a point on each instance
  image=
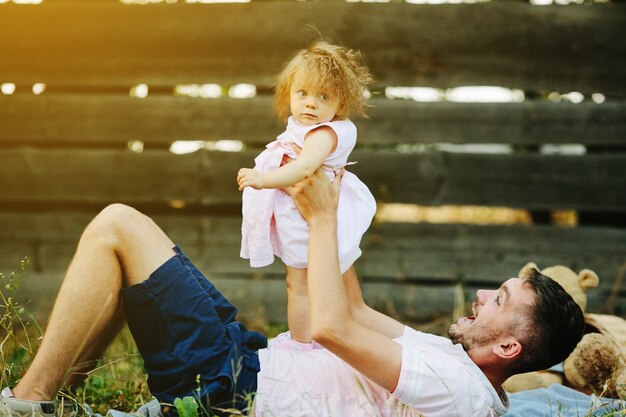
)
(305, 122)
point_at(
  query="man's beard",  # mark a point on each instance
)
(472, 337)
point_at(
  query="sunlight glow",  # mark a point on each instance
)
(474, 148)
(7, 88)
(411, 213)
(572, 97)
(139, 91)
(367, 1)
(554, 97)
(199, 90)
(598, 98)
(445, 1)
(226, 145)
(427, 94)
(148, 1)
(466, 94)
(575, 97)
(484, 94)
(181, 147)
(566, 149)
(135, 146)
(181, 1)
(177, 204)
(38, 88)
(217, 1)
(559, 2)
(242, 91)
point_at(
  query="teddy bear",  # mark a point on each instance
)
(576, 285)
(597, 366)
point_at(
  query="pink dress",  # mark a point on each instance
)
(272, 224)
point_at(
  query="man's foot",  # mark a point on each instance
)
(13, 407)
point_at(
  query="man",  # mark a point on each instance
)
(362, 363)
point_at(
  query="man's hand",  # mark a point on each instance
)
(316, 196)
(247, 177)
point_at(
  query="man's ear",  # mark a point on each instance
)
(508, 349)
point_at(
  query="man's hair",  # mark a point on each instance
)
(551, 327)
(337, 70)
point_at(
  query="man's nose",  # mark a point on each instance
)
(483, 295)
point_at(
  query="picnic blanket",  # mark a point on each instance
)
(561, 401)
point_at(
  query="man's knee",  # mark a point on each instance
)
(117, 213)
(111, 222)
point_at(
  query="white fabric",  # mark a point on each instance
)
(272, 224)
(437, 379)
(11, 406)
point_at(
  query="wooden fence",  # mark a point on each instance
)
(64, 153)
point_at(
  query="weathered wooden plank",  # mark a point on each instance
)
(509, 44)
(392, 252)
(263, 301)
(100, 176)
(594, 182)
(87, 120)
(408, 269)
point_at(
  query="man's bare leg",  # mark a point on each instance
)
(120, 247)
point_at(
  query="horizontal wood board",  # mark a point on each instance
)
(38, 177)
(554, 48)
(263, 302)
(409, 268)
(113, 120)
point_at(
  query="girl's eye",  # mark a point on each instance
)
(302, 93)
(324, 97)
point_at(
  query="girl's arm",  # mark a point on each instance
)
(318, 144)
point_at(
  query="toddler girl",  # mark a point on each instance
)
(317, 91)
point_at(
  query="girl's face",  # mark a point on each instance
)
(309, 104)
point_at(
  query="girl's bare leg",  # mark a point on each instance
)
(298, 314)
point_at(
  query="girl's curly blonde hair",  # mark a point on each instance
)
(333, 69)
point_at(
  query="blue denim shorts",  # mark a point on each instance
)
(186, 333)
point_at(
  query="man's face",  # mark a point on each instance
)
(495, 313)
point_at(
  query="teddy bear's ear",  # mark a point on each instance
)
(525, 271)
(588, 279)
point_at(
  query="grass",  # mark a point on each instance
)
(118, 381)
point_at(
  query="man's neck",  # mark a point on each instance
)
(496, 378)
(491, 365)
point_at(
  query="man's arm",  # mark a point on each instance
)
(366, 315)
(332, 323)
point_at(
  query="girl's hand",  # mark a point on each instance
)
(249, 178)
